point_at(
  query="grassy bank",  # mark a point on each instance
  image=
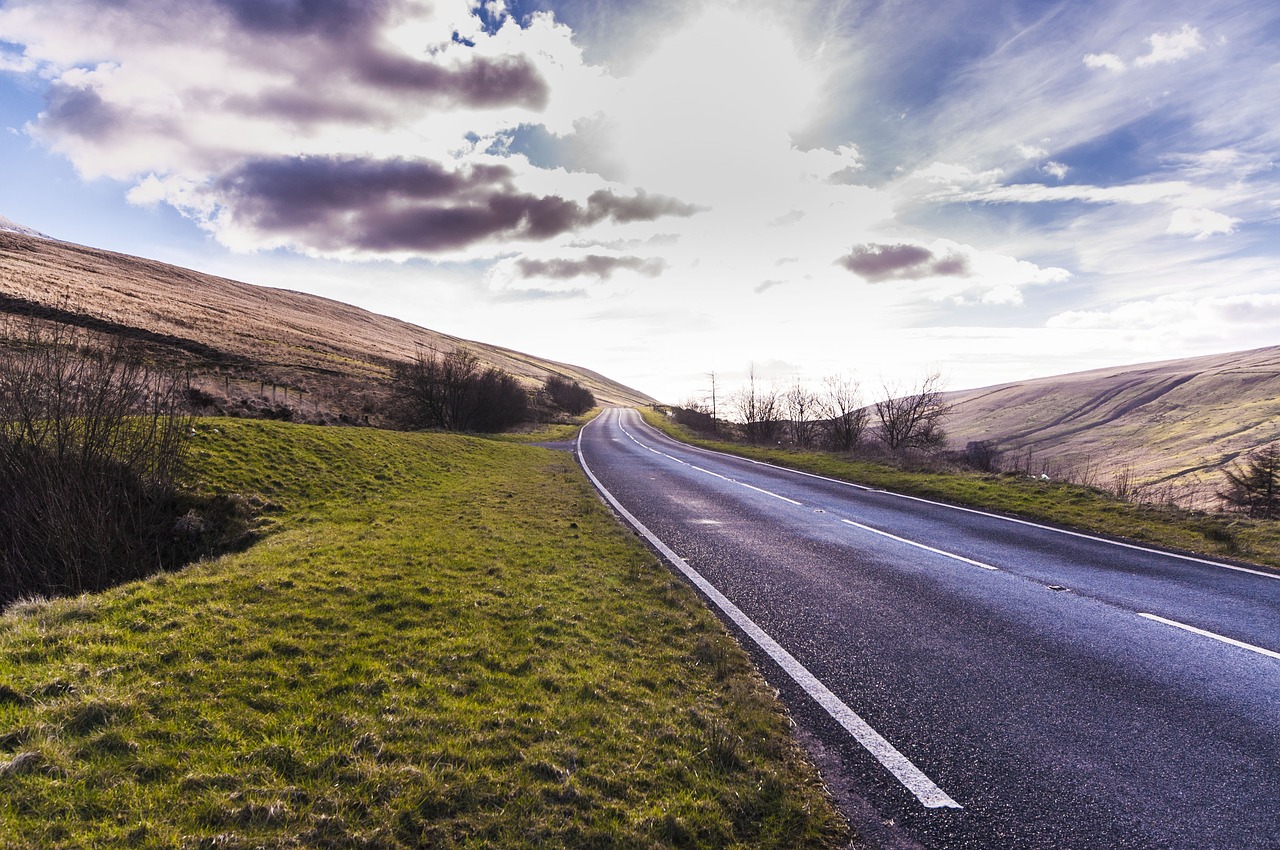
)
(1054, 502)
(442, 641)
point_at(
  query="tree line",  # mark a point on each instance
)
(834, 415)
(909, 419)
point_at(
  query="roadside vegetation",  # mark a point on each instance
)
(450, 391)
(92, 446)
(973, 479)
(440, 641)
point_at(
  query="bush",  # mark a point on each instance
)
(698, 420)
(92, 444)
(569, 396)
(449, 391)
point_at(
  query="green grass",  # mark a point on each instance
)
(547, 432)
(1054, 502)
(441, 642)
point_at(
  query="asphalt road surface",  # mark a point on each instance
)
(969, 681)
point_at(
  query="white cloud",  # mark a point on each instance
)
(1219, 318)
(958, 176)
(1032, 193)
(1201, 223)
(1107, 61)
(1056, 169)
(16, 63)
(1171, 47)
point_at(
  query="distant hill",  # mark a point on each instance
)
(247, 346)
(1172, 425)
(10, 226)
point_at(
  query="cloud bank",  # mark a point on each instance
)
(998, 172)
(334, 127)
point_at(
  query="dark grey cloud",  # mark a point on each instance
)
(343, 40)
(336, 48)
(296, 17)
(482, 82)
(878, 262)
(604, 204)
(79, 112)
(593, 265)
(389, 206)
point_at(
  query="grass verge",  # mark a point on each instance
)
(547, 432)
(443, 641)
(1054, 502)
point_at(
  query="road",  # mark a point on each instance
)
(969, 681)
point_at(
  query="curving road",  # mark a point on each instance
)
(970, 681)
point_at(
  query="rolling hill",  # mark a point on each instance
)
(250, 347)
(1169, 427)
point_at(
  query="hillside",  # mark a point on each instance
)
(1169, 426)
(246, 345)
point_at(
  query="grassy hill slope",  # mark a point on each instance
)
(443, 641)
(1174, 424)
(317, 355)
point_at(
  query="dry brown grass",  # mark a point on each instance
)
(274, 346)
(1166, 427)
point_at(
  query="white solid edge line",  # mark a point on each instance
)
(942, 552)
(856, 525)
(911, 777)
(1026, 522)
(1213, 635)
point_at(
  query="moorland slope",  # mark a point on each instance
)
(1170, 426)
(245, 345)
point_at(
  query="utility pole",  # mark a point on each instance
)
(714, 423)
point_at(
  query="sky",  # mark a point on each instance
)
(662, 190)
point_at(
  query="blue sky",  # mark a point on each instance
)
(658, 190)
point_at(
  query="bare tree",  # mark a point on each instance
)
(758, 409)
(913, 420)
(801, 407)
(844, 412)
(714, 388)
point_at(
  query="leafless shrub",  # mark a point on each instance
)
(92, 441)
(1123, 486)
(569, 396)
(451, 391)
(982, 455)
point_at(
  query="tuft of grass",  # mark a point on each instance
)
(1058, 503)
(440, 641)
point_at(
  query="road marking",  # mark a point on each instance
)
(706, 471)
(951, 555)
(919, 545)
(911, 777)
(1213, 635)
(1026, 522)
